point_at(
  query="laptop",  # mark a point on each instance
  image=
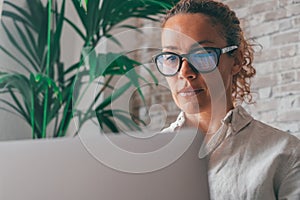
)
(105, 166)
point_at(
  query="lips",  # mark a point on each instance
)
(186, 92)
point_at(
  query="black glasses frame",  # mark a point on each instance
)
(218, 52)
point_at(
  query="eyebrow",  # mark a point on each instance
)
(195, 45)
(200, 43)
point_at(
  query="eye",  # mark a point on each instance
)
(203, 62)
(170, 59)
(199, 57)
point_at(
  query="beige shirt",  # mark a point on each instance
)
(250, 160)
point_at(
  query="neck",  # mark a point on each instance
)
(207, 120)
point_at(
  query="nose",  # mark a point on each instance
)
(186, 71)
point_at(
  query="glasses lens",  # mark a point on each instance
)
(167, 63)
(205, 61)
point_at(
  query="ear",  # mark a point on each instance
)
(237, 63)
(236, 69)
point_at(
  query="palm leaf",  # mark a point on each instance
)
(113, 96)
(126, 120)
(16, 17)
(23, 15)
(38, 13)
(103, 118)
(13, 107)
(58, 32)
(27, 44)
(77, 30)
(18, 47)
(15, 58)
(49, 91)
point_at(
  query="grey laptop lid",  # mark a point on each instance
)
(75, 168)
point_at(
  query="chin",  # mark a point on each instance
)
(190, 107)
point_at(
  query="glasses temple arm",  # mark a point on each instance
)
(228, 49)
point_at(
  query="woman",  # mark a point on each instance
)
(208, 63)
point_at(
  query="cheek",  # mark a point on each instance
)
(226, 76)
(217, 83)
(226, 72)
(172, 83)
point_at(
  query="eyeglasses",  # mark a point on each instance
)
(203, 60)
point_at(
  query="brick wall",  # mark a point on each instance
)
(275, 24)
(159, 102)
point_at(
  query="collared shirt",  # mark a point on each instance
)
(250, 160)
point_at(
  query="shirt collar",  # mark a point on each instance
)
(237, 117)
(240, 119)
(233, 122)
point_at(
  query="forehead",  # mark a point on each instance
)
(185, 31)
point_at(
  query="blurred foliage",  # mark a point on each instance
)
(44, 94)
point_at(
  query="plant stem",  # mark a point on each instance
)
(47, 68)
(69, 101)
(65, 113)
(32, 113)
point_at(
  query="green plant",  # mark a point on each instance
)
(43, 94)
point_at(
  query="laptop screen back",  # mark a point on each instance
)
(74, 168)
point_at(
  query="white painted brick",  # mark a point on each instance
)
(293, 9)
(284, 3)
(269, 116)
(264, 81)
(288, 89)
(285, 64)
(265, 41)
(264, 105)
(261, 6)
(264, 29)
(297, 103)
(287, 102)
(289, 115)
(265, 92)
(275, 14)
(243, 12)
(288, 51)
(286, 77)
(236, 4)
(286, 38)
(257, 19)
(267, 55)
(296, 22)
(285, 25)
(296, 62)
(298, 75)
(264, 68)
(287, 127)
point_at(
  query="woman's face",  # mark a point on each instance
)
(193, 92)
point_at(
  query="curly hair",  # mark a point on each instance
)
(222, 15)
